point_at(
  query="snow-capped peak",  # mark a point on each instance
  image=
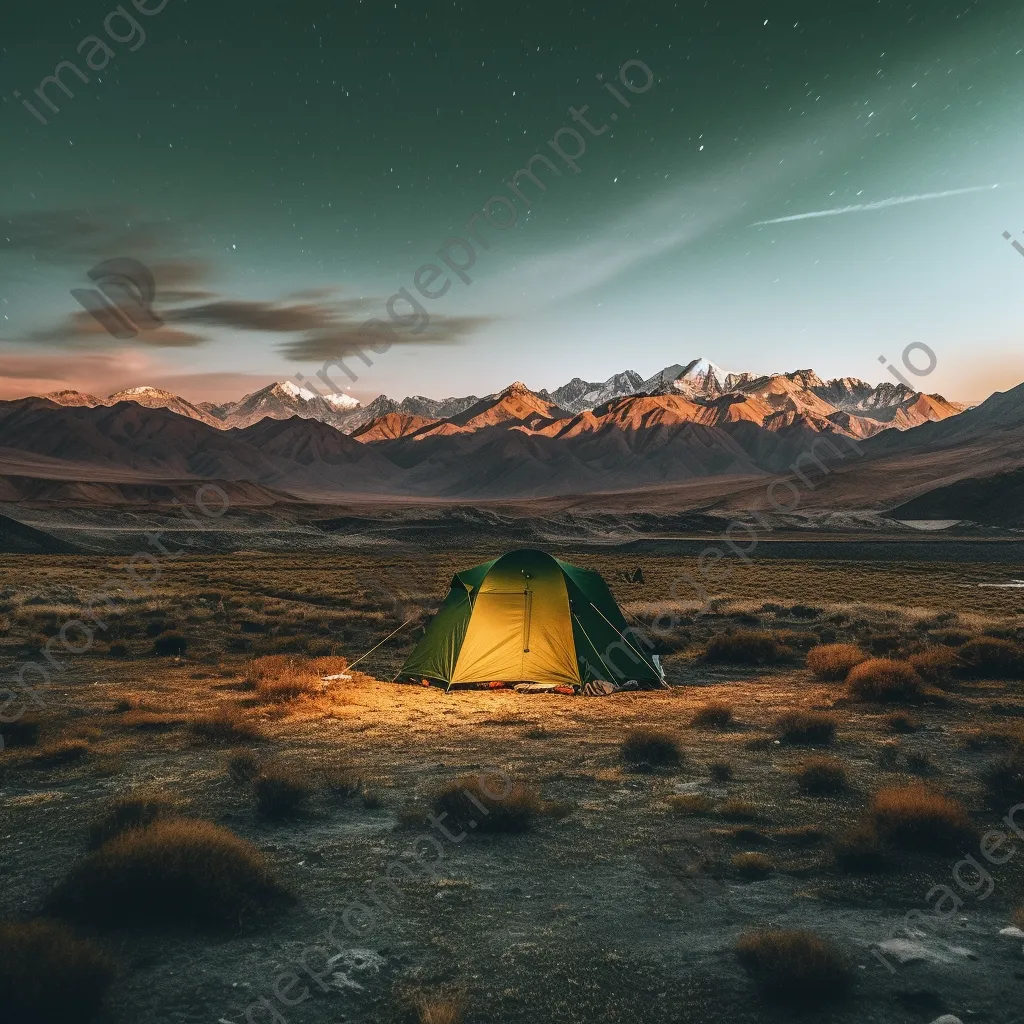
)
(342, 401)
(144, 390)
(702, 369)
(294, 391)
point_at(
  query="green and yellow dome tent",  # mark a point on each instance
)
(529, 617)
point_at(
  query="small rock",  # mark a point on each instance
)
(1011, 932)
(947, 1018)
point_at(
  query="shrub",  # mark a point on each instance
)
(23, 732)
(937, 664)
(739, 810)
(646, 749)
(806, 728)
(471, 804)
(753, 866)
(832, 662)
(745, 647)
(446, 1006)
(1003, 779)
(690, 804)
(243, 766)
(793, 638)
(821, 776)
(118, 650)
(950, 637)
(794, 966)
(901, 722)
(128, 812)
(885, 681)
(1018, 917)
(716, 715)
(886, 643)
(917, 818)
(49, 975)
(170, 645)
(175, 870)
(721, 771)
(281, 792)
(278, 677)
(60, 752)
(226, 724)
(804, 611)
(987, 657)
(860, 850)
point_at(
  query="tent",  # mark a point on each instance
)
(529, 617)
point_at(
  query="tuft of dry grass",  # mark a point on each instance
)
(281, 792)
(226, 724)
(714, 715)
(938, 665)
(721, 771)
(690, 803)
(915, 817)
(24, 732)
(151, 721)
(806, 728)
(822, 776)
(648, 749)
(901, 722)
(832, 662)
(447, 1006)
(885, 681)
(137, 810)
(1003, 779)
(739, 810)
(170, 645)
(860, 850)
(989, 657)
(175, 870)
(473, 804)
(48, 974)
(1018, 917)
(745, 647)
(59, 752)
(279, 677)
(796, 967)
(753, 866)
(243, 766)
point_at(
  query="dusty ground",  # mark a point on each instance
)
(616, 909)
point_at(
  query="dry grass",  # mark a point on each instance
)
(281, 677)
(151, 721)
(170, 645)
(745, 647)
(1018, 917)
(647, 749)
(448, 1006)
(988, 657)
(736, 809)
(50, 976)
(938, 665)
(885, 681)
(720, 771)
(832, 662)
(59, 752)
(714, 715)
(901, 722)
(806, 728)
(822, 776)
(127, 812)
(226, 724)
(1003, 779)
(795, 966)
(472, 804)
(243, 766)
(860, 850)
(690, 804)
(175, 870)
(755, 867)
(281, 792)
(24, 732)
(915, 817)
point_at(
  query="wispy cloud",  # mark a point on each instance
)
(880, 204)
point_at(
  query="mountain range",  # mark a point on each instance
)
(852, 405)
(687, 426)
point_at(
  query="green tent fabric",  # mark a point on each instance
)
(529, 617)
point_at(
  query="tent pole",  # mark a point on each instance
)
(593, 647)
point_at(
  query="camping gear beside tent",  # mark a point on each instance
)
(530, 618)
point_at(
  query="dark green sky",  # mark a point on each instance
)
(285, 168)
